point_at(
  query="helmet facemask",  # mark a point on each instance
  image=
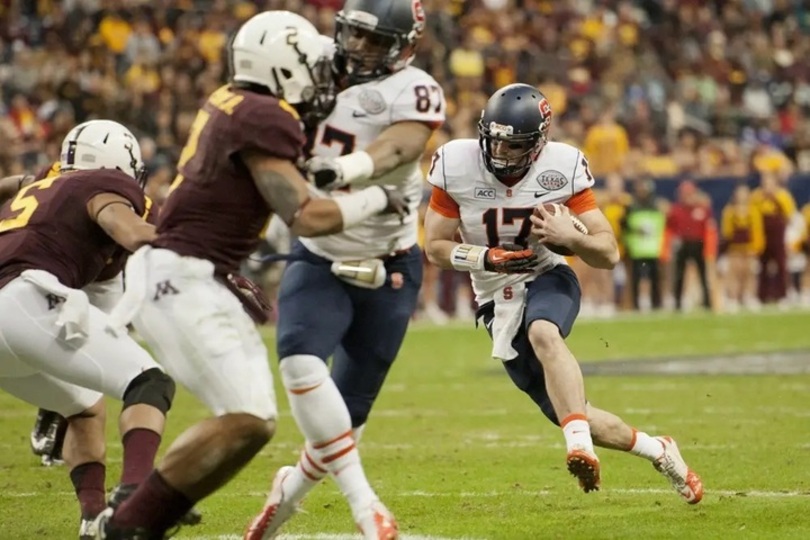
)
(318, 99)
(506, 154)
(365, 53)
(138, 169)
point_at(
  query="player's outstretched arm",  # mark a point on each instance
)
(10, 185)
(287, 194)
(116, 216)
(401, 143)
(446, 253)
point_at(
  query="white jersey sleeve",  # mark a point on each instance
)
(582, 178)
(420, 100)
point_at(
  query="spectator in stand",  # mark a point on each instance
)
(687, 88)
(606, 144)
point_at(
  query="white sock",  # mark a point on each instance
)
(307, 474)
(577, 433)
(309, 471)
(322, 416)
(645, 446)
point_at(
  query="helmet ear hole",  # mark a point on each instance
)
(286, 73)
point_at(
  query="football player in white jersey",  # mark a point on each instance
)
(494, 191)
(385, 114)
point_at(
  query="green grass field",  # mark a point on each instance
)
(457, 452)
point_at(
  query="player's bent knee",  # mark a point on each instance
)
(252, 431)
(95, 410)
(152, 387)
(301, 372)
(545, 335)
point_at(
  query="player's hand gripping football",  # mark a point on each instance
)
(554, 228)
(325, 173)
(398, 203)
(510, 259)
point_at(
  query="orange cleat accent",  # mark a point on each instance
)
(377, 523)
(673, 467)
(275, 513)
(585, 467)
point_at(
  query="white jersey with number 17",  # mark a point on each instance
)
(362, 113)
(493, 213)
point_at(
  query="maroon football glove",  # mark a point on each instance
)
(252, 297)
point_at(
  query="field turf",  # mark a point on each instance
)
(457, 452)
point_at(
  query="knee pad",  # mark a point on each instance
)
(301, 371)
(152, 387)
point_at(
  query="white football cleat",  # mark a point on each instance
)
(377, 523)
(275, 513)
(685, 481)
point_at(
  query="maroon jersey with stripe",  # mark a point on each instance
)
(47, 227)
(215, 211)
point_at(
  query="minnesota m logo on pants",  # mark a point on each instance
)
(163, 288)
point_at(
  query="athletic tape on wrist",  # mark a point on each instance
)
(467, 257)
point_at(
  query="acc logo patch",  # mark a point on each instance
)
(484, 192)
(372, 101)
(552, 180)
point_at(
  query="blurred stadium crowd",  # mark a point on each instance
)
(653, 91)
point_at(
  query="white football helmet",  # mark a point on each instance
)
(283, 52)
(103, 144)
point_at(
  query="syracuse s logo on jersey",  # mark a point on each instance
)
(483, 192)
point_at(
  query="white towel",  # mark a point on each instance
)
(74, 312)
(135, 284)
(507, 321)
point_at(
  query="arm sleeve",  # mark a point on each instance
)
(582, 202)
(443, 204)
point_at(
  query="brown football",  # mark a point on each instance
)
(552, 209)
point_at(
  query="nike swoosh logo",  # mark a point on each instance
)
(538, 194)
(489, 325)
(356, 114)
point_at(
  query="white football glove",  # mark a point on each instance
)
(326, 173)
(334, 173)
